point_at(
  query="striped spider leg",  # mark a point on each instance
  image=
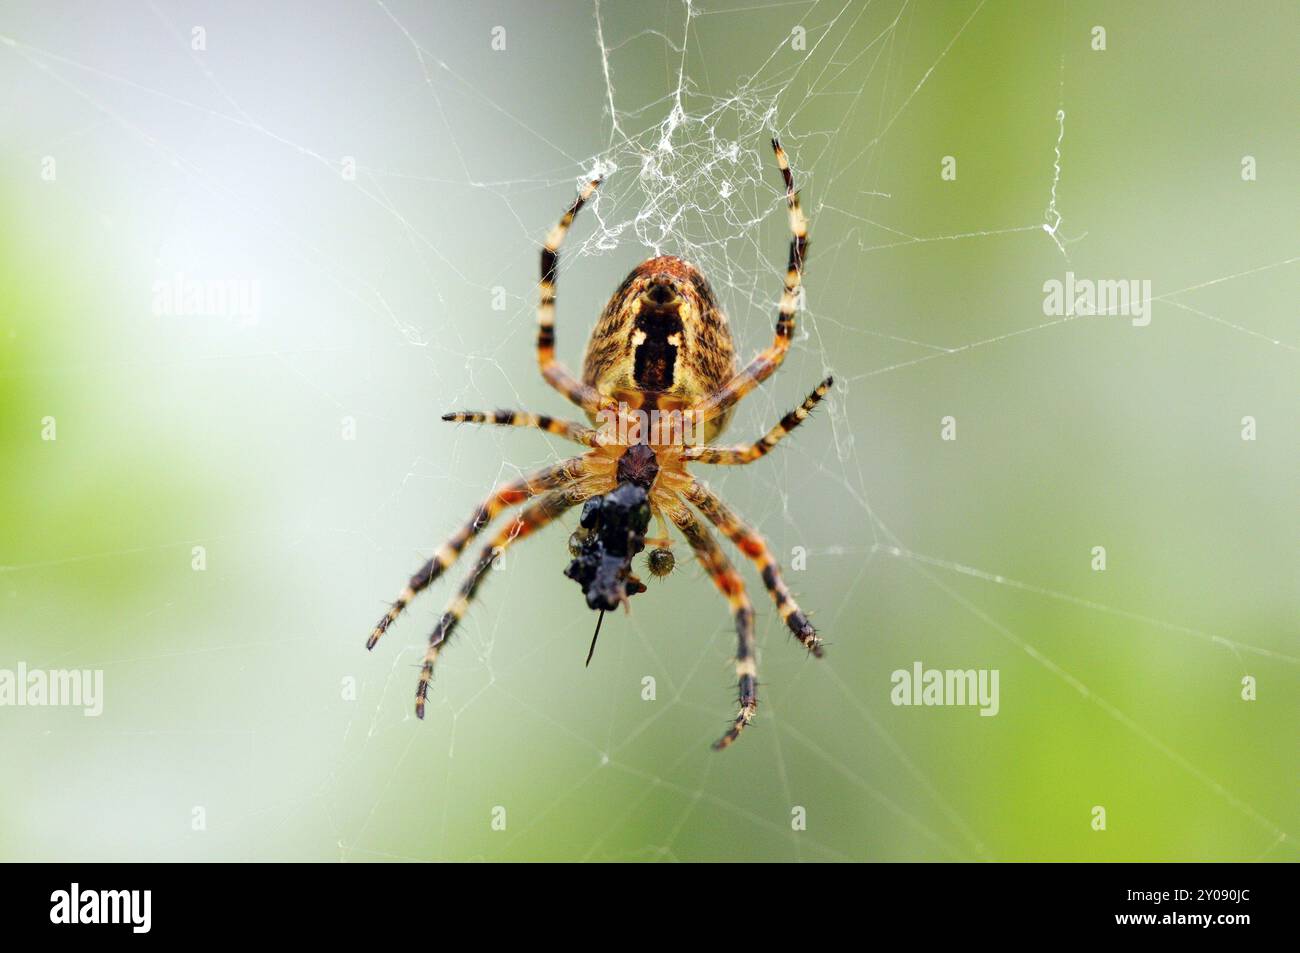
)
(748, 453)
(510, 493)
(556, 374)
(729, 583)
(752, 544)
(765, 363)
(531, 518)
(568, 429)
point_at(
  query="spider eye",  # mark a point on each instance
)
(576, 540)
(590, 510)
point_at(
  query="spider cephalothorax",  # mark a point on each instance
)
(661, 346)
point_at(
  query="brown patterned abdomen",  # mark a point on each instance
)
(662, 341)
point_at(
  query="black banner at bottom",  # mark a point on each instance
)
(1220, 903)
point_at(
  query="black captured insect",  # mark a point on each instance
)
(612, 533)
(615, 527)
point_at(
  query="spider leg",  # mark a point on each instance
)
(530, 519)
(759, 448)
(555, 373)
(663, 540)
(505, 495)
(729, 583)
(578, 433)
(749, 542)
(768, 360)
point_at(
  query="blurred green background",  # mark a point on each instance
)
(301, 446)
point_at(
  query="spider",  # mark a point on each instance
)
(661, 344)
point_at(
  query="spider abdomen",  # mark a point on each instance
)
(657, 337)
(662, 341)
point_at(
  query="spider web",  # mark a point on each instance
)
(674, 105)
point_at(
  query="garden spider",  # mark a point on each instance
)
(661, 344)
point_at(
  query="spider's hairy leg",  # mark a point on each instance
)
(507, 494)
(578, 433)
(530, 519)
(768, 360)
(729, 583)
(555, 373)
(749, 542)
(743, 454)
